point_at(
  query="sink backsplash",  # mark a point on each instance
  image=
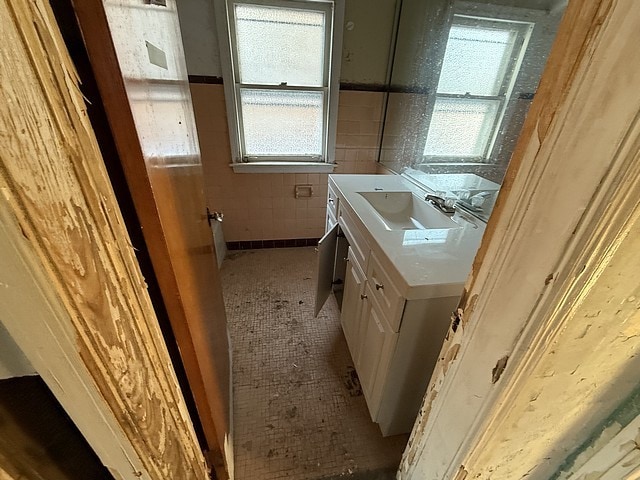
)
(471, 192)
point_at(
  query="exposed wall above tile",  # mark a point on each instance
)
(199, 36)
(368, 31)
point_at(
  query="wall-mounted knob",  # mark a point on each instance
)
(346, 259)
(379, 286)
(363, 296)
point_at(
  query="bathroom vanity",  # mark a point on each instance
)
(397, 266)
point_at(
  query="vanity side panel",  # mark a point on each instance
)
(326, 267)
(424, 326)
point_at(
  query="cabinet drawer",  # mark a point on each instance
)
(355, 237)
(384, 293)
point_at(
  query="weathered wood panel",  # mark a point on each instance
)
(5, 475)
(151, 117)
(55, 191)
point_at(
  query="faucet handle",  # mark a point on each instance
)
(444, 205)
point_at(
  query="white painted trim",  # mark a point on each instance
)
(570, 194)
(283, 167)
(334, 78)
(42, 329)
(335, 9)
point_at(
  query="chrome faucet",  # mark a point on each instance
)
(441, 204)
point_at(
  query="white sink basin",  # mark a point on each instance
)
(406, 211)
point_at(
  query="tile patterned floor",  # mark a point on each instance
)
(298, 412)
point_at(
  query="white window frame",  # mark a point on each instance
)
(334, 10)
(523, 31)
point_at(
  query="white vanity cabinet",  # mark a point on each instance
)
(375, 348)
(352, 302)
(394, 341)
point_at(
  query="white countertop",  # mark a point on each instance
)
(424, 263)
(453, 182)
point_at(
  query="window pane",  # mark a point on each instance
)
(278, 122)
(461, 127)
(475, 60)
(278, 45)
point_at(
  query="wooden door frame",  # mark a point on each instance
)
(568, 200)
(70, 343)
(198, 359)
(71, 291)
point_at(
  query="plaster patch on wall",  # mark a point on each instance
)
(156, 55)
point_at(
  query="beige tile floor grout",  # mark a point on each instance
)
(298, 413)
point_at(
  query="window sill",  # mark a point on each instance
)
(283, 167)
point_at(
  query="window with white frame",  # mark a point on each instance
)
(281, 80)
(481, 63)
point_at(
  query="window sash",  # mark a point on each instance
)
(250, 156)
(325, 88)
(509, 75)
(470, 100)
(280, 157)
(281, 29)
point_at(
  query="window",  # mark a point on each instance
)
(281, 82)
(480, 66)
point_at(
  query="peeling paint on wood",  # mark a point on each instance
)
(457, 318)
(513, 428)
(501, 364)
(461, 473)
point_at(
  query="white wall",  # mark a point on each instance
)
(13, 363)
(367, 34)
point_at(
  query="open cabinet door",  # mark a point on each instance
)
(136, 54)
(326, 263)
